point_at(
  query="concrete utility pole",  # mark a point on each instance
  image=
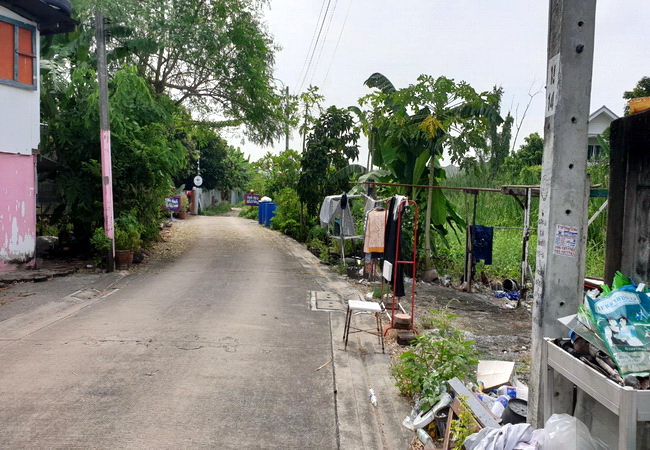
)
(105, 138)
(562, 227)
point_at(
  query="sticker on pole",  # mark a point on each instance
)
(566, 240)
(173, 203)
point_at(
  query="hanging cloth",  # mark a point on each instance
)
(482, 239)
(347, 223)
(391, 235)
(375, 229)
(332, 208)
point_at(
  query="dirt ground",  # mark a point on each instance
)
(501, 332)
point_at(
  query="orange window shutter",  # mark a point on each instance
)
(6, 51)
(25, 56)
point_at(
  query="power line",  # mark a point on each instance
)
(322, 6)
(322, 46)
(337, 42)
(311, 58)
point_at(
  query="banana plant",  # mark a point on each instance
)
(411, 128)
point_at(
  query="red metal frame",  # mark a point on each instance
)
(413, 263)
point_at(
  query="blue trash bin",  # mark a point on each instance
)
(261, 208)
(269, 213)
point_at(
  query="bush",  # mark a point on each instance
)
(100, 242)
(127, 240)
(249, 212)
(287, 218)
(317, 232)
(437, 357)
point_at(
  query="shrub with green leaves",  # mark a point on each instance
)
(435, 358)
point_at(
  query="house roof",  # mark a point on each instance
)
(603, 110)
(50, 19)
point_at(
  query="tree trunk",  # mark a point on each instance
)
(428, 254)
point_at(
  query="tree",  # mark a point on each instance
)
(642, 89)
(330, 147)
(213, 57)
(412, 128)
(281, 171)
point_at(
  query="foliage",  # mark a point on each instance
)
(100, 242)
(462, 427)
(145, 149)
(642, 89)
(279, 171)
(212, 57)
(322, 249)
(317, 232)
(435, 358)
(287, 214)
(249, 212)
(330, 146)
(221, 208)
(529, 154)
(412, 128)
(128, 240)
(185, 203)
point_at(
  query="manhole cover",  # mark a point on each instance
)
(324, 301)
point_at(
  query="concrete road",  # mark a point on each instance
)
(216, 350)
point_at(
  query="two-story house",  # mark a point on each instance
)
(22, 22)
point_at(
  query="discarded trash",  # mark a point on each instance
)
(499, 405)
(510, 295)
(373, 397)
(369, 296)
(494, 373)
(424, 437)
(510, 391)
(324, 364)
(426, 417)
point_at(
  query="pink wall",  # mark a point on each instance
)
(17, 210)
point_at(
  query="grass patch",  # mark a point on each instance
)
(221, 208)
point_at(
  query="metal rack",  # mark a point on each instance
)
(413, 263)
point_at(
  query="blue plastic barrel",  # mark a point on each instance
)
(269, 212)
(261, 207)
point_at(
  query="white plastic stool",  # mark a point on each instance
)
(359, 307)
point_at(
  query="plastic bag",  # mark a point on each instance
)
(565, 432)
(622, 319)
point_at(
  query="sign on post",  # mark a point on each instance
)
(252, 199)
(173, 203)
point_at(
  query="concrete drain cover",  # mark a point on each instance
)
(324, 301)
(85, 294)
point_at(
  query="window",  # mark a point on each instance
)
(17, 54)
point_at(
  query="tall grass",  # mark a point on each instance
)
(498, 210)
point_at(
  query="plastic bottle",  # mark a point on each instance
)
(424, 437)
(373, 397)
(510, 391)
(500, 405)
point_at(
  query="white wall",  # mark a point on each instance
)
(599, 124)
(19, 109)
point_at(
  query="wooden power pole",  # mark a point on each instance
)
(562, 227)
(105, 138)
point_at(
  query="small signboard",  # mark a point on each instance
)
(252, 199)
(173, 203)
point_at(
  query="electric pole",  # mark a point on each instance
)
(286, 129)
(105, 138)
(564, 196)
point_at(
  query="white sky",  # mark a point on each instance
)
(483, 42)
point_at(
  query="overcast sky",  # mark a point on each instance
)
(483, 42)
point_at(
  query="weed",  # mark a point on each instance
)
(221, 208)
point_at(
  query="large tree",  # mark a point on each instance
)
(331, 145)
(214, 57)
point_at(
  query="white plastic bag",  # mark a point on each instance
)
(565, 432)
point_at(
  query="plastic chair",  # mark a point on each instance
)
(356, 307)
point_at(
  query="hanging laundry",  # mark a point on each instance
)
(331, 209)
(391, 235)
(375, 229)
(482, 239)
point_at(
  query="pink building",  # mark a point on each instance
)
(22, 22)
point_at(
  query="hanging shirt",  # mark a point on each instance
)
(391, 235)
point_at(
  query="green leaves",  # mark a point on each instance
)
(436, 357)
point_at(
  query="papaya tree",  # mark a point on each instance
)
(412, 127)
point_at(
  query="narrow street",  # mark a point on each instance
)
(217, 349)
